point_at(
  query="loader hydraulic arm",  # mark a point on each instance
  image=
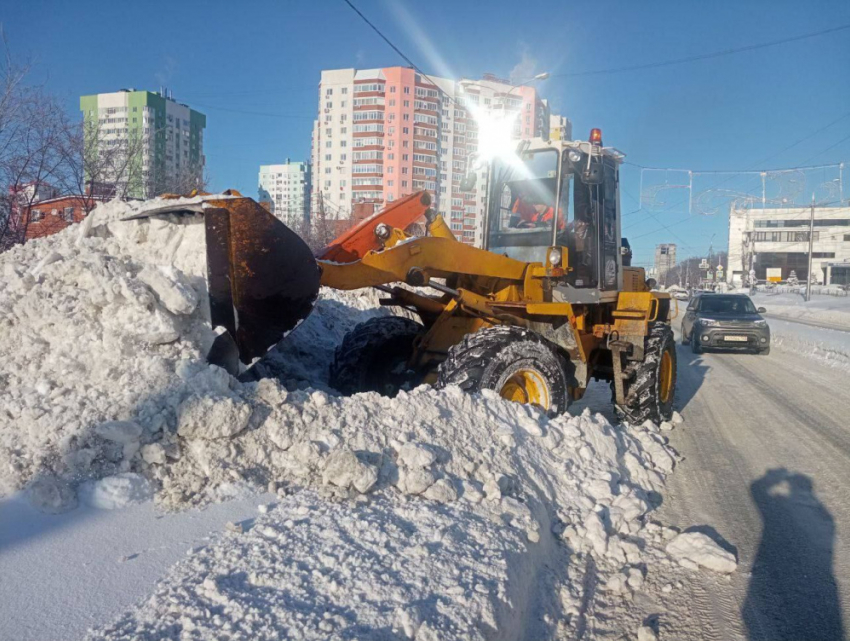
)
(417, 259)
(361, 239)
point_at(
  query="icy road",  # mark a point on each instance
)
(767, 463)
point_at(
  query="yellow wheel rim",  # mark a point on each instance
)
(666, 377)
(526, 386)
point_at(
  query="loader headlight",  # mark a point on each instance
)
(382, 231)
(554, 257)
(574, 156)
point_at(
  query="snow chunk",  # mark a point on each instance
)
(416, 455)
(211, 417)
(116, 492)
(343, 469)
(171, 288)
(696, 548)
(119, 431)
(442, 491)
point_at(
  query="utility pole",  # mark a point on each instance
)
(811, 246)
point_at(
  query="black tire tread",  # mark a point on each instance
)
(642, 396)
(469, 361)
(363, 344)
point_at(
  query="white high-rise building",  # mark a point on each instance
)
(287, 188)
(148, 143)
(382, 134)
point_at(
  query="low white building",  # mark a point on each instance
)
(287, 188)
(762, 239)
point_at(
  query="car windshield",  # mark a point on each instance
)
(727, 305)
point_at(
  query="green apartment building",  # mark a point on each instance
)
(140, 144)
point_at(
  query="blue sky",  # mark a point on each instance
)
(253, 68)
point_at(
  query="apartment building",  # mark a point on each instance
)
(382, 134)
(286, 187)
(147, 143)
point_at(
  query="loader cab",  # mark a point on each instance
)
(559, 194)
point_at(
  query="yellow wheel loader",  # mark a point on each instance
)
(549, 303)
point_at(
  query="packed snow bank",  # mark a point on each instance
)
(832, 310)
(103, 332)
(110, 398)
(481, 519)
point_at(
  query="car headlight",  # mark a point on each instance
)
(707, 322)
(760, 323)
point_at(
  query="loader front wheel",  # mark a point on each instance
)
(373, 357)
(516, 363)
(652, 386)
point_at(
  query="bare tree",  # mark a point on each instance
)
(97, 164)
(32, 159)
(187, 178)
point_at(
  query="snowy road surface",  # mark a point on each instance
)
(766, 450)
(59, 575)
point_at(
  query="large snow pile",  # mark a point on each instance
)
(434, 514)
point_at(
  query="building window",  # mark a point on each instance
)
(392, 102)
(405, 130)
(329, 92)
(407, 90)
(390, 182)
(36, 215)
(344, 90)
(847, 238)
(68, 214)
(328, 144)
(404, 183)
(328, 157)
(343, 143)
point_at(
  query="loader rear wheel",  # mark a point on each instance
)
(652, 387)
(516, 363)
(373, 357)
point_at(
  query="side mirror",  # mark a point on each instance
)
(593, 174)
(468, 182)
(761, 310)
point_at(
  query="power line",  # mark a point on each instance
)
(704, 56)
(758, 162)
(397, 50)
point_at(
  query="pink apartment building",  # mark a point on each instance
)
(384, 133)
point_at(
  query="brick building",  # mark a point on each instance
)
(51, 216)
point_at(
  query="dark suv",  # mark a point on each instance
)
(728, 321)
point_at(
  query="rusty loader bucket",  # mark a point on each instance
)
(263, 279)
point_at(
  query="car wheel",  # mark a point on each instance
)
(696, 348)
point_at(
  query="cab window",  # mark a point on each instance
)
(523, 218)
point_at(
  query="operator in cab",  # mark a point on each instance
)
(530, 212)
